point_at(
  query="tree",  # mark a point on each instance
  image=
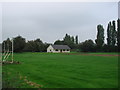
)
(30, 46)
(19, 43)
(109, 38)
(39, 46)
(72, 39)
(76, 40)
(58, 42)
(45, 47)
(118, 34)
(113, 33)
(100, 36)
(87, 46)
(68, 40)
(34, 46)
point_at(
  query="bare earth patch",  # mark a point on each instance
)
(91, 54)
(35, 85)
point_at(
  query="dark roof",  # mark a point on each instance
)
(60, 46)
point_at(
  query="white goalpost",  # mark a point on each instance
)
(8, 51)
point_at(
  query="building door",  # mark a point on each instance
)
(61, 50)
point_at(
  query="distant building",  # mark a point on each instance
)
(58, 48)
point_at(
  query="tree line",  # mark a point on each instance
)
(21, 45)
(113, 37)
(71, 41)
(112, 45)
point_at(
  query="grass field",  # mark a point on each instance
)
(48, 70)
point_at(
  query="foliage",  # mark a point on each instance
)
(76, 40)
(68, 40)
(118, 34)
(59, 42)
(113, 41)
(100, 36)
(34, 46)
(19, 43)
(111, 34)
(87, 46)
(109, 38)
(45, 47)
(107, 48)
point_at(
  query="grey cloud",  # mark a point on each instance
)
(119, 9)
(50, 21)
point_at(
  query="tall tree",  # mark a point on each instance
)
(72, 39)
(109, 38)
(76, 39)
(68, 40)
(113, 33)
(118, 34)
(100, 36)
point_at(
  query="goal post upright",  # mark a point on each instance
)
(12, 50)
(8, 51)
(4, 48)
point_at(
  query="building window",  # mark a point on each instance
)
(56, 50)
(63, 49)
(50, 49)
(67, 49)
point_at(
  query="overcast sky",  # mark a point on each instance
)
(51, 21)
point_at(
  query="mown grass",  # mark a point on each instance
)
(51, 70)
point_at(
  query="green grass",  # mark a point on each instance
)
(65, 71)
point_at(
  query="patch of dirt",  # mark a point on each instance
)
(91, 54)
(33, 84)
(9, 62)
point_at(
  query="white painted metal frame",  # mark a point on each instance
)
(7, 53)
